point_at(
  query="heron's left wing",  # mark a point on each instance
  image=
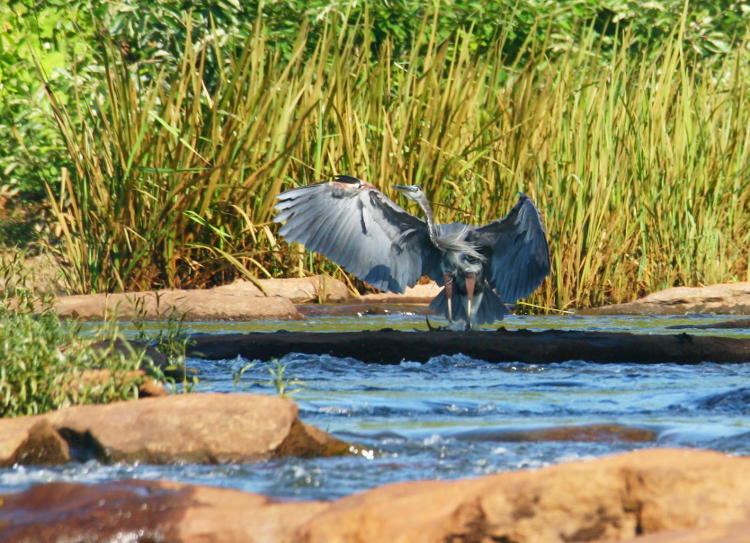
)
(359, 228)
(519, 255)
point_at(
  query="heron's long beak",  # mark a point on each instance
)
(400, 187)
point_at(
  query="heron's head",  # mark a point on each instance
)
(413, 192)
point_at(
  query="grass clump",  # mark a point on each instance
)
(46, 362)
(284, 385)
(637, 156)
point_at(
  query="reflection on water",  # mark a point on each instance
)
(416, 417)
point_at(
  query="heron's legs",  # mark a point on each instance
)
(471, 280)
(448, 280)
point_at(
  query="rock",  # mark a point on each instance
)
(389, 346)
(736, 401)
(589, 433)
(212, 304)
(723, 325)
(612, 498)
(42, 273)
(147, 385)
(730, 298)
(360, 309)
(418, 294)
(317, 288)
(31, 440)
(300, 290)
(650, 496)
(146, 511)
(151, 388)
(198, 428)
(735, 532)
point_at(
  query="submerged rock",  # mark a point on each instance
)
(197, 428)
(729, 298)
(658, 495)
(732, 401)
(588, 433)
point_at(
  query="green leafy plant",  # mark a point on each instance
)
(237, 374)
(171, 339)
(286, 387)
(48, 363)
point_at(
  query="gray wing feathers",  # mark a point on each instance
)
(519, 253)
(360, 229)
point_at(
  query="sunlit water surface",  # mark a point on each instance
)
(447, 418)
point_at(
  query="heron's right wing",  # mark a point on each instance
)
(359, 228)
(519, 255)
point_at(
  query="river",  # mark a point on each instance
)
(454, 416)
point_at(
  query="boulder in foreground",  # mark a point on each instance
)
(666, 495)
(197, 428)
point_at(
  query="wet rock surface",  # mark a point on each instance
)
(737, 324)
(392, 347)
(658, 495)
(196, 428)
(727, 298)
(349, 309)
(589, 433)
(733, 401)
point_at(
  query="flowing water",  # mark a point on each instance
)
(454, 416)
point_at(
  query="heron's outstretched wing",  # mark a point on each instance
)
(359, 228)
(519, 255)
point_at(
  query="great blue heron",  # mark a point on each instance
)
(482, 268)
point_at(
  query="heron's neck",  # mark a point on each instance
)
(431, 228)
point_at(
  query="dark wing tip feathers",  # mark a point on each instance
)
(342, 178)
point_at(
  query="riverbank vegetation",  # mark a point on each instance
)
(150, 143)
(45, 359)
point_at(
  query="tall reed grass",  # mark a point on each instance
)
(638, 164)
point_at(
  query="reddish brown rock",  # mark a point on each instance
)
(212, 304)
(608, 499)
(31, 440)
(729, 298)
(147, 511)
(201, 428)
(588, 433)
(147, 385)
(735, 532)
(650, 496)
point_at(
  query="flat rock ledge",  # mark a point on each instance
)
(195, 428)
(647, 496)
(210, 304)
(723, 298)
(240, 300)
